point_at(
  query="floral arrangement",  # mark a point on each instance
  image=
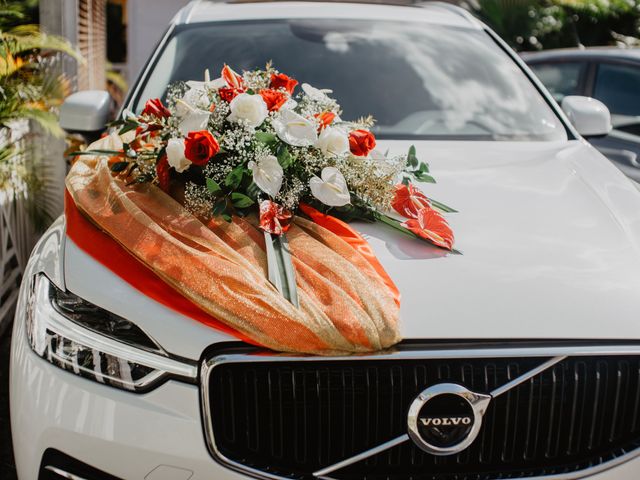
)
(250, 143)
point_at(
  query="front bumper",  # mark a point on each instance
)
(152, 436)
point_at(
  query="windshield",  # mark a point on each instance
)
(418, 80)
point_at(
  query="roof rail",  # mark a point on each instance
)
(461, 12)
(185, 14)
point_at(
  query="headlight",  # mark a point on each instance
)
(89, 341)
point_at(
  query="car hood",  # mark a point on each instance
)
(549, 235)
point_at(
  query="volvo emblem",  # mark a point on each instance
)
(446, 418)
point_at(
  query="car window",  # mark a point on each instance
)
(418, 80)
(618, 87)
(561, 79)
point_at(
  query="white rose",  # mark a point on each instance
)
(195, 97)
(250, 109)
(331, 189)
(267, 174)
(333, 142)
(175, 155)
(294, 129)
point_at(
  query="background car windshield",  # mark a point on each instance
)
(419, 81)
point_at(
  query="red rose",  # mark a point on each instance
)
(361, 142)
(281, 80)
(227, 93)
(155, 108)
(325, 119)
(200, 146)
(162, 171)
(273, 98)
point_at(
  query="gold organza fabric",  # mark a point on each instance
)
(345, 307)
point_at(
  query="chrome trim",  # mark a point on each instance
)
(207, 366)
(523, 378)
(361, 456)
(406, 352)
(63, 473)
(143, 76)
(477, 401)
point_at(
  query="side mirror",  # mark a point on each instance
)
(591, 117)
(86, 111)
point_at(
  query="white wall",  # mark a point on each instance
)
(147, 22)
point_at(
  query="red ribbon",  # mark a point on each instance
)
(116, 258)
(353, 238)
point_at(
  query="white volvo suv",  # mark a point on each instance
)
(521, 356)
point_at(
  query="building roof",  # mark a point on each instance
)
(440, 13)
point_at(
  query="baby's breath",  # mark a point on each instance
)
(197, 199)
(369, 180)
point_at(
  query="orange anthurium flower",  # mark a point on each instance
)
(408, 200)
(233, 80)
(431, 226)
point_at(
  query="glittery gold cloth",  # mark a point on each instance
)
(346, 305)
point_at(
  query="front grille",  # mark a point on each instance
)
(289, 419)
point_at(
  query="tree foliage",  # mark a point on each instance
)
(538, 24)
(30, 87)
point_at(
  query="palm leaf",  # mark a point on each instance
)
(47, 120)
(24, 39)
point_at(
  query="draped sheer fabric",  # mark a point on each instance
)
(347, 302)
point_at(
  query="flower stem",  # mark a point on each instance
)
(393, 223)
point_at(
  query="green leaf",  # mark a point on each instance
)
(284, 157)
(226, 217)
(424, 177)
(220, 207)
(234, 177)
(127, 127)
(119, 166)
(265, 137)
(96, 152)
(240, 200)
(253, 190)
(442, 207)
(412, 160)
(213, 186)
